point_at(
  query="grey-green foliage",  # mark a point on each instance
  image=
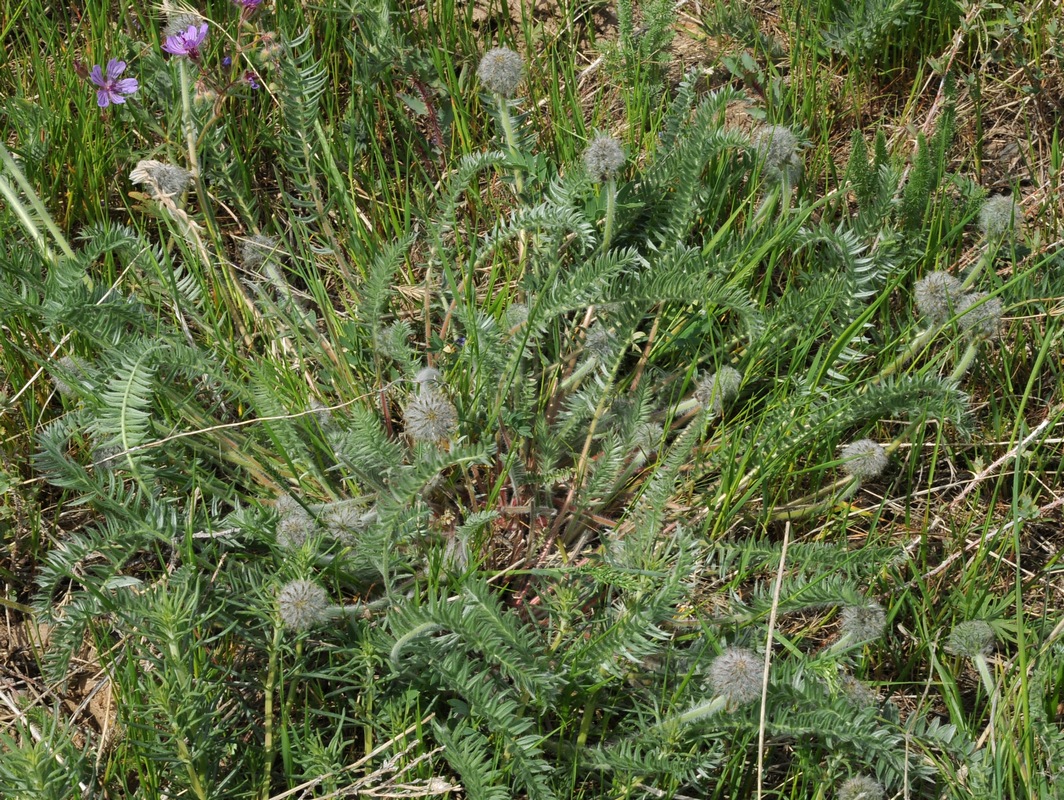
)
(470, 755)
(174, 687)
(303, 80)
(1049, 737)
(929, 163)
(701, 162)
(497, 693)
(864, 30)
(40, 760)
(638, 56)
(517, 671)
(137, 389)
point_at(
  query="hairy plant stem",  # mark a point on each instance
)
(918, 343)
(965, 362)
(511, 139)
(611, 214)
(712, 706)
(986, 257)
(189, 123)
(184, 754)
(267, 724)
(819, 500)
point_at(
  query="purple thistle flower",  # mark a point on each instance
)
(112, 89)
(187, 42)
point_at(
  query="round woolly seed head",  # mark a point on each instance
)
(394, 341)
(864, 623)
(255, 250)
(777, 147)
(285, 504)
(855, 691)
(860, 787)
(716, 389)
(430, 417)
(345, 521)
(603, 158)
(599, 342)
(515, 316)
(69, 367)
(302, 605)
(501, 70)
(163, 180)
(177, 24)
(970, 639)
(864, 459)
(736, 675)
(295, 528)
(647, 438)
(998, 215)
(321, 412)
(428, 378)
(980, 318)
(937, 295)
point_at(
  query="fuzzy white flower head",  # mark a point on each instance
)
(162, 180)
(285, 504)
(777, 147)
(345, 520)
(864, 459)
(394, 341)
(430, 417)
(294, 526)
(937, 295)
(515, 316)
(856, 691)
(73, 368)
(736, 675)
(713, 391)
(970, 639)
(603, 158)
(302, 605)
(427, 378)
(501, 70)
(998, 215)
(860, 787)
(179, 22)
(599, 342)
(321, 412)
(979, 317)
(256, 249)
(864, 623)
(647, 437)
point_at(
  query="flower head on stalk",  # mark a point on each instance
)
(110, 87)
(187, 42)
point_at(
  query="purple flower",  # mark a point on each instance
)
(187, 42)
(112, 89)
(227, 62)
(251, 80)
(248, 5)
